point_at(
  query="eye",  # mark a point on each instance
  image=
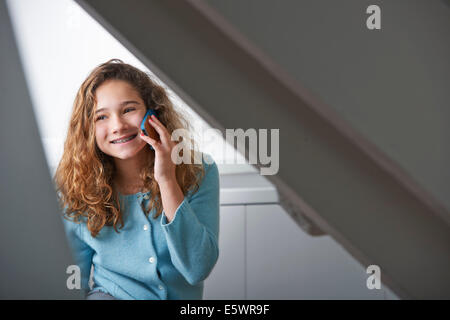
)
(130, 109)
(99, 118)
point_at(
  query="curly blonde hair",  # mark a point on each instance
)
(84, 177)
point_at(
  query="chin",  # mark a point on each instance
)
(124, 156)
(127, 154)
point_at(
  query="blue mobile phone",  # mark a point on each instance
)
(146, 128)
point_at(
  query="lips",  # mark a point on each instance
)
(124, 139)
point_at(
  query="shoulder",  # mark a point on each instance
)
(210, 179)
(206, 162)
(209, 164)
(71, 223)
(211, 169)
(71, 227)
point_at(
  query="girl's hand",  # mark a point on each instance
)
(164, 170)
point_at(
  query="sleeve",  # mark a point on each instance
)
(192, 235)
(81, 251)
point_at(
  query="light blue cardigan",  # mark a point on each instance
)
(150, 258)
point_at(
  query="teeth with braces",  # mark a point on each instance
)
(124, 140)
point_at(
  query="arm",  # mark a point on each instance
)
(190, 224)
(171, 196)
(193, 229)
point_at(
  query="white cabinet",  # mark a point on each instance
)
(284, 262)
(227, 280)
(265, 255)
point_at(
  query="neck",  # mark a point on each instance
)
(127, 176)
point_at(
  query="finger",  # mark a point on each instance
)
(159, 127)
(155, 144)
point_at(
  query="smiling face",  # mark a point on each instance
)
(118, 116)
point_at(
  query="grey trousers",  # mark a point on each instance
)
(98, 295)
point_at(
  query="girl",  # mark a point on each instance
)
(148, 226)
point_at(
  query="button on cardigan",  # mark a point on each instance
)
(153, 258)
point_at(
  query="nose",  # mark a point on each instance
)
(118, 124)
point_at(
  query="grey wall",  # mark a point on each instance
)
(34, 255)
(264, 255)
(391, 85)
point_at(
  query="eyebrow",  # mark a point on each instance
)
(122, 104)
